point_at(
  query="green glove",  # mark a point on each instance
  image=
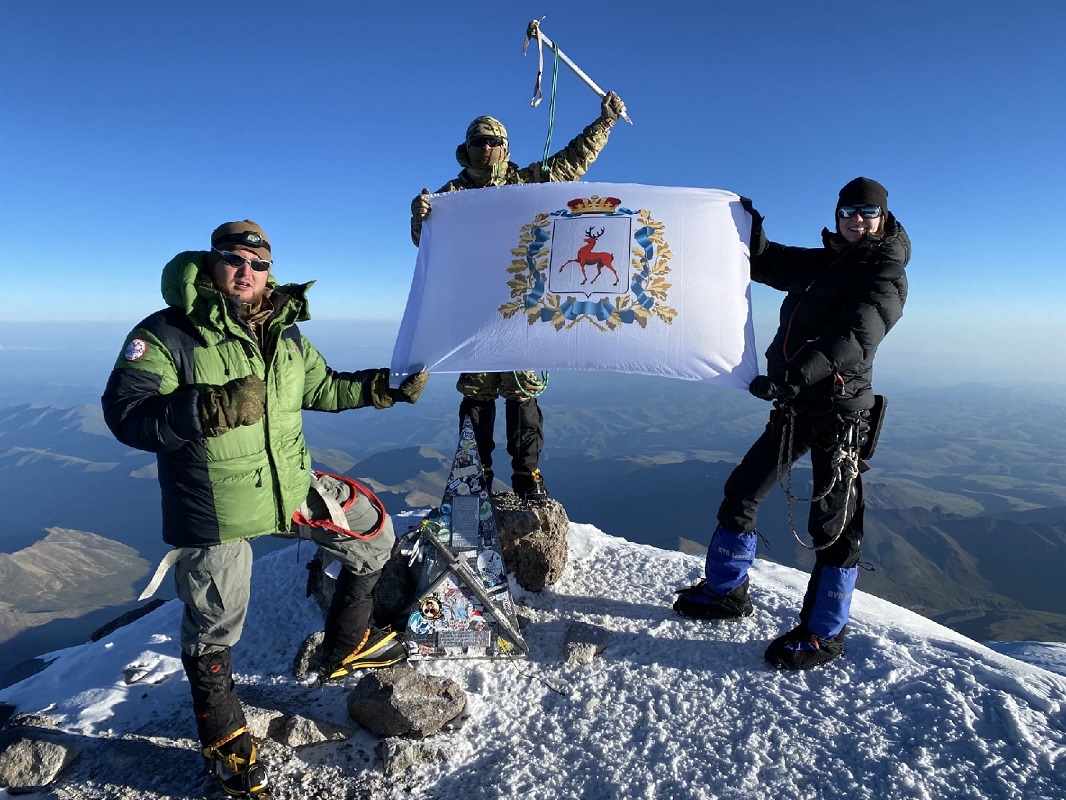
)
(411, 388)
(238, 402)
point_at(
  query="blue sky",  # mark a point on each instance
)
(131, 129)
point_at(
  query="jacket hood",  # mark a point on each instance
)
(896, 241)
(186, 283)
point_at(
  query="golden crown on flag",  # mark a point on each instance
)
(594, 205)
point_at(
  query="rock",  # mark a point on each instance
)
(399, 755)
(33, 753)
(584, 642)
(308, 656)
(261, 721)
(297, 731)
(533, 540)
(403, 702)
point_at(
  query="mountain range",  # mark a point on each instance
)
(966, 518)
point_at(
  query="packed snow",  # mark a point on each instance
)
(672, 708)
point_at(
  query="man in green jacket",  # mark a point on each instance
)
(214, 385)
(484, 156)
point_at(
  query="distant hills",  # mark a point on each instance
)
(966, 517)
(67, 582)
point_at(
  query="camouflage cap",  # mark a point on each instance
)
(485, 126)
(243, 235)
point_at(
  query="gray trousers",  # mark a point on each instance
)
(214, 583)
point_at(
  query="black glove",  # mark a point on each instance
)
(410, 388)
(756, 224)
(765, 389)
(238, 402)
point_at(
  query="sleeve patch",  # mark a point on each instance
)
(136, 349)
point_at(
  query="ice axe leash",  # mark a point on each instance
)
(533, 31)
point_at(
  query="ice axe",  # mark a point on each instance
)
(533, 31)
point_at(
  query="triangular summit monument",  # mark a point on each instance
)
(463, 606)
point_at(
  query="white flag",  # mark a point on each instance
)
(583, 276)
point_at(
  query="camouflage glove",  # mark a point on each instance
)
(420, 206)
(611, 108)
(238, 402)
(411, 388)
(378, 388)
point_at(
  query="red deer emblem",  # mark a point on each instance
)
(586, 257)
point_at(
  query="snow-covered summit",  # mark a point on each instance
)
(673, 708)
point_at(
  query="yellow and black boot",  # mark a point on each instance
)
(221, 726)
(235, 764)
(350, 643)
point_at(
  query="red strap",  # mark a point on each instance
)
(357, 489)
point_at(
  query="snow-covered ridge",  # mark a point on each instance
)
(674, 708)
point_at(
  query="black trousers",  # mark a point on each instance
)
(842, 508)
(525, 430)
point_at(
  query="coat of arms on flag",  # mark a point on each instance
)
(652, 280)
(594, 261)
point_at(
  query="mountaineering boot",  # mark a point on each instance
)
(378, 649)
(724, 592)
(702, 602)
(819, 637)
(801, 649)
(529, 486)
(234, 764)
(349, 642)
(488, 480)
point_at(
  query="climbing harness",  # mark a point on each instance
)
(844, 465)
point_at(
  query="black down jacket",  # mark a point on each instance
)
(842, 301)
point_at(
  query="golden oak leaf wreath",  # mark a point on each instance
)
(644, 301)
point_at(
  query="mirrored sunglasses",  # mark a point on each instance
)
(491, 141)
(237, 261)
(867, 212)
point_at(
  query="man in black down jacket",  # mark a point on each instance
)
(843, 298)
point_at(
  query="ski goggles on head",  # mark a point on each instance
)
(237, 261)
(491, 141)
(866, 212)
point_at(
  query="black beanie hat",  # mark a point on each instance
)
(864, 192)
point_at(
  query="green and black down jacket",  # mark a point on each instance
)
(248, 481)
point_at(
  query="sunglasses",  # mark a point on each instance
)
(237, 261)
(867, 212)
(491, 141)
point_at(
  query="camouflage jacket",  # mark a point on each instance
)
(568, 164)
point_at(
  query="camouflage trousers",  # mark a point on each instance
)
(517, 386)
(525, 422)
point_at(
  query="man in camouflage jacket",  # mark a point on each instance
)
(484, 156)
